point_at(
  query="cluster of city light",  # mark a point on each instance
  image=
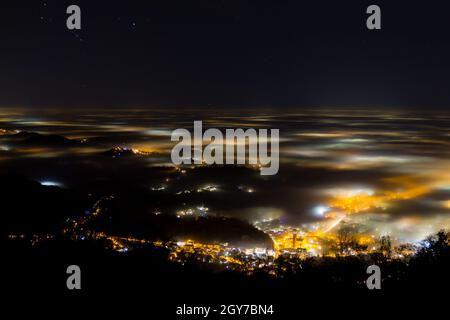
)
(244, 260)
(341, 205)
(197, 211)
(33, 239)
(208, 188)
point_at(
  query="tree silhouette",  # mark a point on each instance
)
(346, 238)
(385, 245)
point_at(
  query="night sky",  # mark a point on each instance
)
(224, 53)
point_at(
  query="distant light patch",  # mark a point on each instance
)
(350, 192)
(159, 132)
(446, 204)
(49, 183)
(320, 210)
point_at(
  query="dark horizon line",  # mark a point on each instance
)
(242, 108)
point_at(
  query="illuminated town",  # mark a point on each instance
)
(318, 240)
